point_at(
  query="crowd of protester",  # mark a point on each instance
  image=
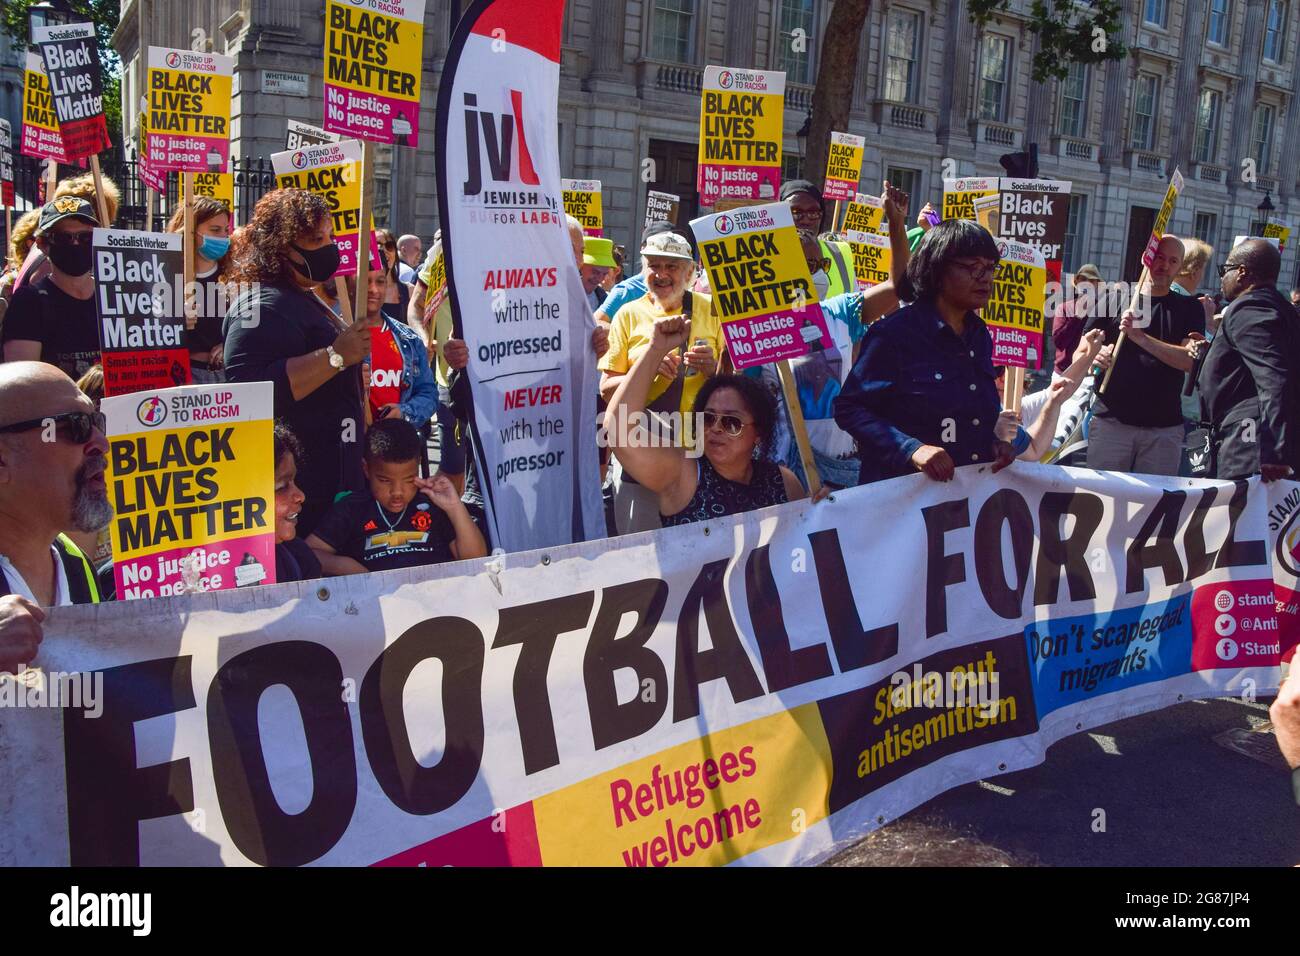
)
(906, 383)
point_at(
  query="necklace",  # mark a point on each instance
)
(384, 518)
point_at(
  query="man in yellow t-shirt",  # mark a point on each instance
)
(669, 269)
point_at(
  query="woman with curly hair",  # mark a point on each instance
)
(211, 260)
(277, 330)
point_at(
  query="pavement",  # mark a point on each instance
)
(1197, 784)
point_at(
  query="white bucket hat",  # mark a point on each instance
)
(668, 244)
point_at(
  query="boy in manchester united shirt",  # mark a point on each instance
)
(404, 521)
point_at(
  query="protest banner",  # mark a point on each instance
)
(760, 284)
(152, 178)
(7, 168)
(218, 186)
(192, 482)
(373, 64)
(516, 296)
(76, 86)
(1148, 256)
(301, 135)
(843, 167)
(972, 198)
(661, 207)
(1014, 313)
(41, 138)
(333, 170)
(189, 110)
(865, 214)
(872, 257)
(582, 201)
(781, 692)
(1279, 230)
(141, 333)
(437, 290)
(741, 117)
(1035, 211)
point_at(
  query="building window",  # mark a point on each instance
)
(1275, 31)
(908, 180)
(903, 51)
(671, 30)
(1207, 126)
(1205, 226)
(1156, 12)
(1075, 226)
(1146, 107)
(791, 165)
(1261, 137)
(995, 54)
(794, 40)
(1074, 101)
(1220, 14)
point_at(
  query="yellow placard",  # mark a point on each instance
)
(959, 200)
(1279, 230)
(189, 102)
(1014, 312)
(741, 130)
(373, 65)
(864, 214)
(218, 186)
(843, 166)
(582, 201)
(702, 803)
(872, 258)
(38, 104)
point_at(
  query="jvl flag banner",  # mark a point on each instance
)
(1014, 313)
(661, 207)
(334, 171)
(141, 323)
(300, 135)
(582, 202)
(6, 164)
(864, 214)
(192, 484)
(189, 110)
(674, 698)
(76, 86)
(1162, 218)
(1279, 230)
(761, 285)
(218, 186)
(373, 62)
(843, 166)
(154, 179)
(41, 138)
(872, 257)
(516, 297)
(975, 199)
(741, 115)
(1036, 212)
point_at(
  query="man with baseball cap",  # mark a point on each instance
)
(54, 320)
(597, 260)
(669, 268)
(808, 209)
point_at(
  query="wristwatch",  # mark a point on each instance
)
(336, 360)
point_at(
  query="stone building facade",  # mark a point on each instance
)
(1209, 86)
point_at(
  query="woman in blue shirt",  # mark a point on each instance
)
(922, 395)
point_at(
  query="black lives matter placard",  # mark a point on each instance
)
(661, 207)
(1036, 212)
(141, 331)
(72, 65)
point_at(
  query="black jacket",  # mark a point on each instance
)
(1250, 385)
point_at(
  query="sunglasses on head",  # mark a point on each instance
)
(732, 425)
(79, 425)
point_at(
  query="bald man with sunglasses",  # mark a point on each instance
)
(53, 453)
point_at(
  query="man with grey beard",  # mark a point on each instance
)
(53, 453)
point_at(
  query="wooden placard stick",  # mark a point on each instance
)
(363, 225)
(797, 425)
(101, 205)
(51, 180)
(1119, 342)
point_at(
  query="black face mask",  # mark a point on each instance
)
(320, 263)
(71, 260)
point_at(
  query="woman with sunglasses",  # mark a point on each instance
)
(922, 395)
(734, 474)
(397, 294)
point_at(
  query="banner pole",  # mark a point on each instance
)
(1119, 342)
(835, 222)
(51, 180)
(798, 426)
(101, 207)
(187, 186)
(363, 219)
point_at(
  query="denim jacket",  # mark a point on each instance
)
(419, 387)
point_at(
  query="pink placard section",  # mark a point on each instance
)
(838, 190)
(192, 154)
(738, 182)
(240, 562)
(380, 119)
(347, 243)
(776, 336)
(1235, 625)
(1016, 347)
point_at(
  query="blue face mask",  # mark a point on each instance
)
(213, 248)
